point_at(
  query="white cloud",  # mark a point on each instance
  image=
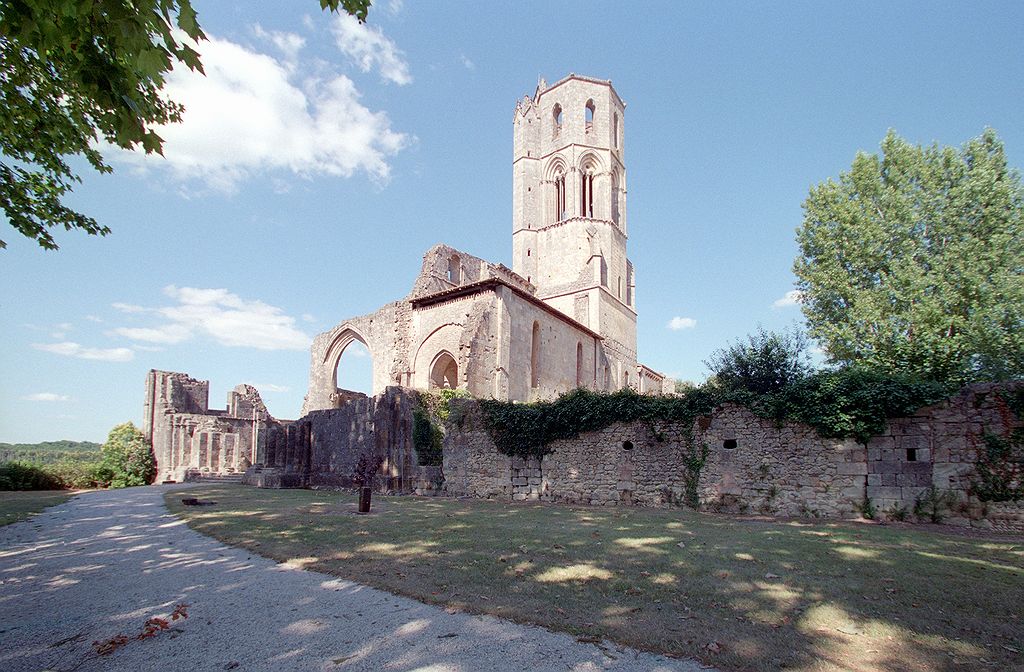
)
(289, 44)
(368, 48)
(790, 298)
(46, 396)
(306, 317)
(395, 7)
(680, 323)
(94, 318)
(357, 349)
(168, 333)
(253, 113)
(266, 388)
(226, 317)
(71, 349)
(128, 308)
(468, 64)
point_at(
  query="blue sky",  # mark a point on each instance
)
(319, 160)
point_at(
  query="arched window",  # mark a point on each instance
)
(559, 181)
(588, 116)
(625, 379)
(556, 114)
(454, 270)
(615, 130)
(587, 192)
(579, 365)
(615, 197)
(535, 356)
(444, 372)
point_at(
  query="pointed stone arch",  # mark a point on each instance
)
(344, 338)
(444, 371)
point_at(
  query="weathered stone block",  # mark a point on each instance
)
(852, 468)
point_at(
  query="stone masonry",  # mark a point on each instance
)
(753, 465)
(189, 439)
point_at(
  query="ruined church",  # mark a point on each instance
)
(564, 315)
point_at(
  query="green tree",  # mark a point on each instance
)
(764, 363)
(913, 262)
(77, 72)
(127, 457)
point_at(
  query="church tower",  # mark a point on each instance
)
(569, 225)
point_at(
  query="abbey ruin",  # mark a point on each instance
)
(563, 317)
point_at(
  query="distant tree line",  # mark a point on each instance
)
(126, 459)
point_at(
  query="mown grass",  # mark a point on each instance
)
(15, 506)
(737, 594)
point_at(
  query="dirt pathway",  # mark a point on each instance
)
(101, 564)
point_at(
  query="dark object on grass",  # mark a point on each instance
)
(192, 501)
(364, 499)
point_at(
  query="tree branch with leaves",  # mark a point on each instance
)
(77, 73)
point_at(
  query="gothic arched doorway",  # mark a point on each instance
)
(444, 372)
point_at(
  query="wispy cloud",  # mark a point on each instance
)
(223, 316)
(680, 323)
(466, 63)
(167, 333)
(71, 349)
(369, 48)
(289, 44)
(266, 388)
(790, 298)
(255, 113)
(46, 396)
(128, 307)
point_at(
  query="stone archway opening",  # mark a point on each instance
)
(444, 372)
(354, 370)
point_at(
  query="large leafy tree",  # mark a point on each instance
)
(914, 262)
(76, 72)
(127, 457)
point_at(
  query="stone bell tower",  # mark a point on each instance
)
(569, 225)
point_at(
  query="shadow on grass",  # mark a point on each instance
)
(738, 594)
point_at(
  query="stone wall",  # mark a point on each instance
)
(190, 439)
(753, 465)
(322, 447)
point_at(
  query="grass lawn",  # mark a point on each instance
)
(19, 505)
(737, 594)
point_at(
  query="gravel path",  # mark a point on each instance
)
(102, 563)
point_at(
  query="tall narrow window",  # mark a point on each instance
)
(587, 193)
(615, 130)
(535, 356)
(559, 197)
(625, 379)
(579, 365)
(588, 116)
(556, 115)
(615, 197)
(454, 270)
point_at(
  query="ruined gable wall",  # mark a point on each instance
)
(190, 438)
(386, 334)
